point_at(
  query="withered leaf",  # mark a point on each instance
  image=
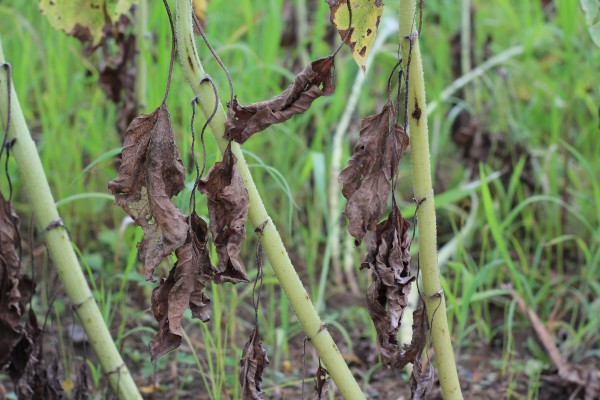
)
(15, 289)
(420, 329)
(365, 20)
(367, 178)
(183, 288)
(316, 80)
(253, 363)
(421, 382)
(228, 204)
(150, 174)
(321, 382)
(32, 377)
(388, 257)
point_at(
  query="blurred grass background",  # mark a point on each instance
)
(522, 208)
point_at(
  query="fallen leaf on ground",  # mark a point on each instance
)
(228, 204)
(316, 80)
(388, 258)
(366, 179)
(365, 20)
(151, 173)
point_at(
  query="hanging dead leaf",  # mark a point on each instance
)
(253, 363)
(15, 289)
(228, 204)
(366, 179)
(321, 382)
(388, 257)
(365, 20)
(420, 328)
(150, 174)
(421, 381)
(183, 288)
(84, 19)
(316, 80)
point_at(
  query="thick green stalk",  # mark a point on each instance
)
(59, 244)
(273, 245)
(421, 170)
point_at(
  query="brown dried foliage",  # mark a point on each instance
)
(32, 377)
(183, 288)
(388, 257)
(367, 176)
(228, 203)
(15, 289)
(150, 174)
(316, 80)
(321, 382)
(253, 363)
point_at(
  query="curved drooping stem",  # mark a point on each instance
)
(421, 171)
(273, 245)
(59, 244)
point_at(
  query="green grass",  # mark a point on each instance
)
(545, 243)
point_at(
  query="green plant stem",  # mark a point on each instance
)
(59, 244)
(421, 170)
(273, 245)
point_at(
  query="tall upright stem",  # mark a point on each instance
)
(421, 171)
(284, 270)
(59, 244)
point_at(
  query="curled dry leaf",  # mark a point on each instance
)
(151, 173)
(366, 179)
(253, 363)
(316, 80)
(81, 389)
(421, 382)
(321, 382)
(388, 257)
(413, 350)
(365, 20)
(228, 204)
(183, 288)
(15, 289)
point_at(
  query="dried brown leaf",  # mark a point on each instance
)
(32, 377)
(421, 382)
(367, 178)
(228, 204)
(388, 257)
(420, 328)
(150, 174)
(15, 289)
(321, 382)
(316, 80)
(253, 363)
(183, 288)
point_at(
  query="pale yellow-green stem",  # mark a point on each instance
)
(273, 245)
(421, 170)
(59, 244)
